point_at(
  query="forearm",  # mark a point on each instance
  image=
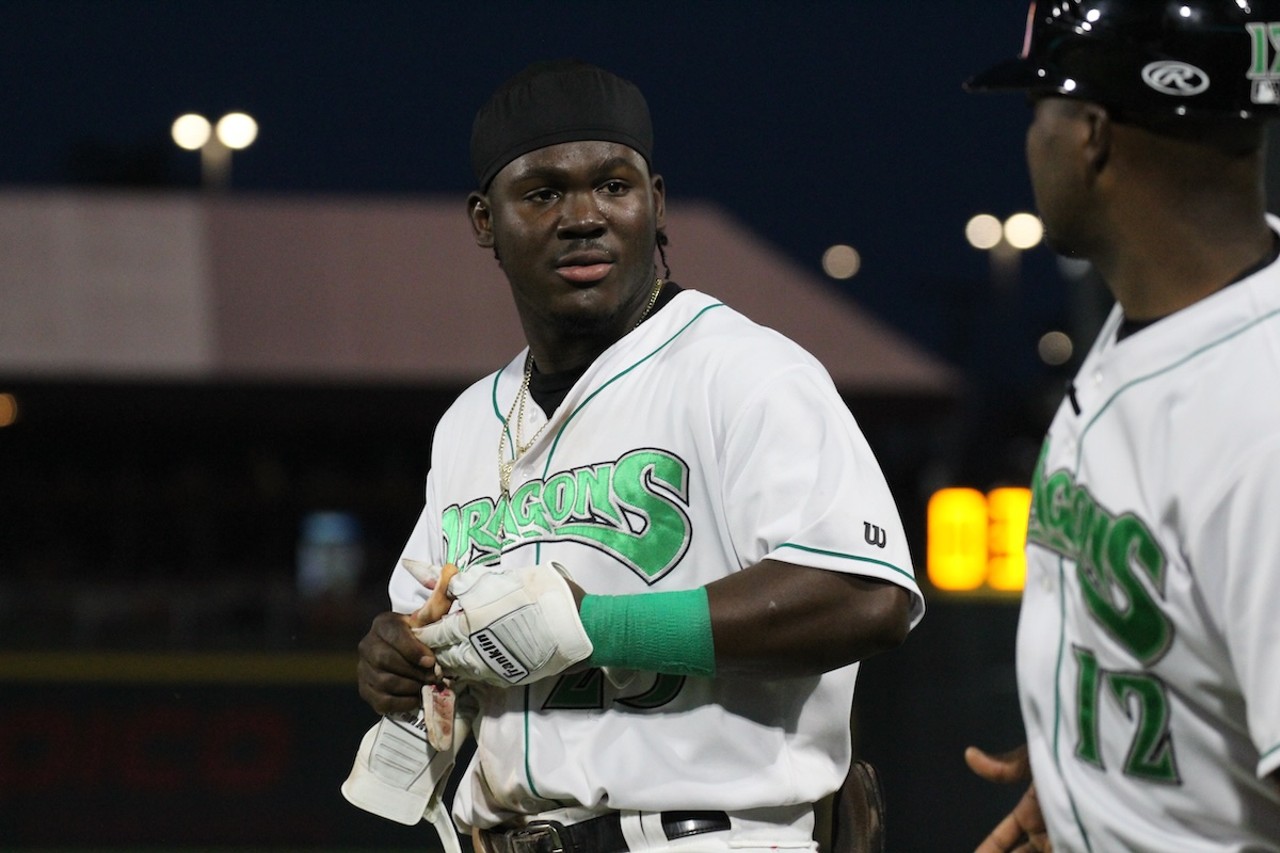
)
(778, 617)
(773, 618)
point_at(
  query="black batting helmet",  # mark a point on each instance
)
(1199, 59)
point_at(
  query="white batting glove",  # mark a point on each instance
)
(514, 627)
(398, 775)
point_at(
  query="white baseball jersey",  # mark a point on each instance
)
(1149, 637)
(697, 445)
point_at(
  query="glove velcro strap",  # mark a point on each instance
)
(396, 774)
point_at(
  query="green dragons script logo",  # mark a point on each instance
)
(1112, 553)
(634, 509)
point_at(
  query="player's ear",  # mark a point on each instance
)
(481, 219)
(1097, 142)
(659, 190)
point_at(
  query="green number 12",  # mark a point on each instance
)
(1140, 695)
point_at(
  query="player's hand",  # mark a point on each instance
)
(435, 578)
(514, 626)
(1023, 829)
(394, 665)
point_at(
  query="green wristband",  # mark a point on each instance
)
(666, 632)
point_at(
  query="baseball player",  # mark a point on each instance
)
(1148, 647)
(675, 545)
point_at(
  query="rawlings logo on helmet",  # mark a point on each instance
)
(1175, 78)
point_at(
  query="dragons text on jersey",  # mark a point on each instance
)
(635, 509)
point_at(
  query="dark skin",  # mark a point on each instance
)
(1165, 219)
(1023, 829)
(574, 227)
(1167, 215)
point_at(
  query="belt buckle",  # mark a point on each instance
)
(538, 836)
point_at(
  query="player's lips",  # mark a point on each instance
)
(584, 267)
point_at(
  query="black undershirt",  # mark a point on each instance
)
(548, 390)
(1128, 327)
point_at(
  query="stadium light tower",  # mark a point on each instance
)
(233, 132)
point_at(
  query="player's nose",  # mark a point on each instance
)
(581, 216)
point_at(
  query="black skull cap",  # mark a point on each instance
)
(563, 100)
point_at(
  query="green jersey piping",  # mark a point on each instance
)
(854, 557)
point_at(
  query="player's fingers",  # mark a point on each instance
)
(390, 647)
(1006, 767)
(1007, 837)
(424, 573)
(1029, 816)
(1022, 829)
(386, 693)
(1039, 843)
(439, 602)
(452, 630)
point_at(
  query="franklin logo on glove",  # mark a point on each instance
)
(497, 656)
(511, 627)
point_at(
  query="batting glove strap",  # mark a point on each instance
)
(514, 627)
(397, 774)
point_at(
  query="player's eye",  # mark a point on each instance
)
(614, 187)
(542, 194)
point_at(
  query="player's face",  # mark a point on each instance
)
(574, 227)
(1057, 170)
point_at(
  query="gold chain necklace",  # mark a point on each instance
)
(519, 447)
(653, 300)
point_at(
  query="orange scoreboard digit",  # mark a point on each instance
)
(977, 541)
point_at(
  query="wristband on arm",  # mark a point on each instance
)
(668, 632)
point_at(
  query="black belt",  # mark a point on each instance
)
(598, 835)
